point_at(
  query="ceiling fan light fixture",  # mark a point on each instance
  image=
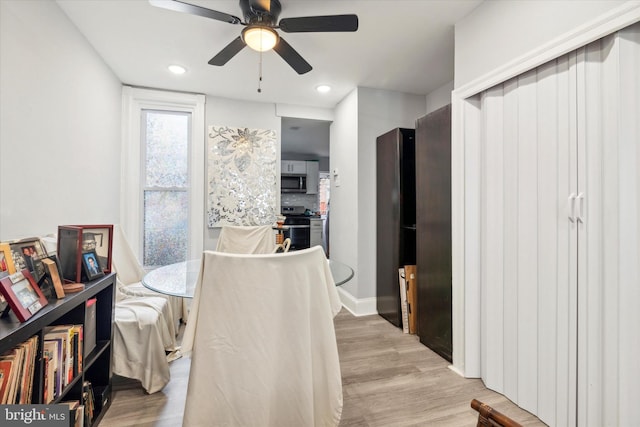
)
(259, 38)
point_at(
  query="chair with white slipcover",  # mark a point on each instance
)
(139, 336)
(261, 329)
(253, 239)
(129, 277)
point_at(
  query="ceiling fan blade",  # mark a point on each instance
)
(319, 24)
(228, 52)
(292, 57)
(180, 6)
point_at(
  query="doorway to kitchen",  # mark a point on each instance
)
(305, 155)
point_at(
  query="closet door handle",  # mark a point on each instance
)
(572, 207)
(580, 198)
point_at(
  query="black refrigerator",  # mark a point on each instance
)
(395, 217)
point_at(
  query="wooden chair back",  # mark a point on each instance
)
(489, 417)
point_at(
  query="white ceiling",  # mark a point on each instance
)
(400, 45)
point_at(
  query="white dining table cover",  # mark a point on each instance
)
(255, 239)
(262, 341)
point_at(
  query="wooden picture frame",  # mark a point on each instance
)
(28, 254)
(22, 294)
(74, 240)
(6, 259)
(91, 265)
(53, 280)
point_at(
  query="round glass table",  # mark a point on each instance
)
(179, 279)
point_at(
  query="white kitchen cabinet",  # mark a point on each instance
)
(316, 231)
(313, 176)
(293, 167)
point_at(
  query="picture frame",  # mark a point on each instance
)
(23, 295)
(74, 240)
(91, 265)
(6, 259)
(51, 284)
(27, 254)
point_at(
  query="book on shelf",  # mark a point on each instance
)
(6, 365)
(51, 355)
(412, 297)
(89, 402)
(89, 332)
(403, 300)
(76, 411)
(17, 367)
(70, 338)
(57, 347)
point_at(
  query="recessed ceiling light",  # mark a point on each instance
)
(177, 69)
(323, 88)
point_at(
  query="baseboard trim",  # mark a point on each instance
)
(357, 307)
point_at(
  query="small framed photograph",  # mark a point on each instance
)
(28, 253)
(74, 240)
(6, 259)
(23, 294)
(91, 265)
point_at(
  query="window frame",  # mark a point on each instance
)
(135, 100)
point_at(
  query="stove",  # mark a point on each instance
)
(299, 227)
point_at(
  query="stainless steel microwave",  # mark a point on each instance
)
(293, 183)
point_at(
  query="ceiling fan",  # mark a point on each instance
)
(261, 22)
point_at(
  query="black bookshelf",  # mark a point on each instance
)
(96, 366)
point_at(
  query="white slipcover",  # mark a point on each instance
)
(258, 239)
(138, 342)
(263, 343)
(129, 277)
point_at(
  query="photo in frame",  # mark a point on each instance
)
(28, 254)
(91, 265)
(74, 240)
(22, 294)
(6, 259)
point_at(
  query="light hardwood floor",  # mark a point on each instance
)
(389, 379)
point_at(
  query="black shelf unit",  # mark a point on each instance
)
(72, 310)
(395, 217)
(433, 184)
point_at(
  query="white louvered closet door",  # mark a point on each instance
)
(559, 236)
(529, 246)
(609, 237)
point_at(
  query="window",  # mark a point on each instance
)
(162, 202)
(165, 194)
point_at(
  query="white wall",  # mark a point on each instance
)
(360, 118)
(234, 113)
(498, 32)
(60, 114)
(343, 223)
(439, 97)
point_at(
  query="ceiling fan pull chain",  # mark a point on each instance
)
(260, 74)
